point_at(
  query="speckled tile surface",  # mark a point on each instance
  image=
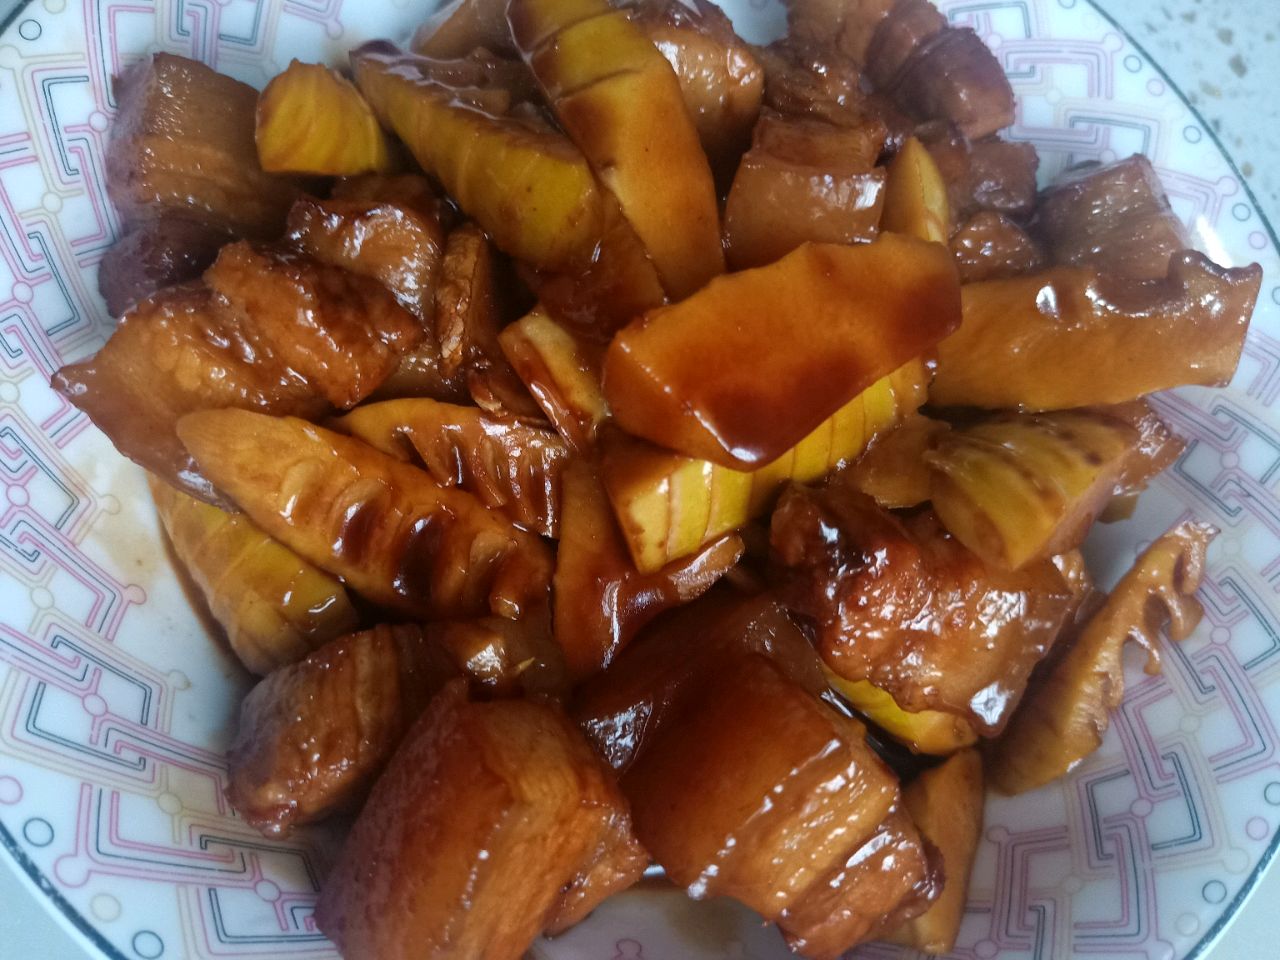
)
(1225, 54)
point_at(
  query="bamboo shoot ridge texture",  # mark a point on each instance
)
(530, 189)
(620, 102)
(744, 369)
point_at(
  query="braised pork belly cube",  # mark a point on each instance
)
(314, 735)
(901, 604)
(804, 79)
(613, 863)
(759, 791)
(909, 24)
(399, 246)
(720, 78)
(155, 254)
(986, 175)
(182, 144)
(952, 76)
(343, 332)
(845, 25)
(990, 246)
(270, 330)
(802, 180)
(1115, 217)
(890, 878)
(487, 828)
(621, 710)
(175, 352)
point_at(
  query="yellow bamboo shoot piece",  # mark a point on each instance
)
(946, 804)
(511, 465)
(312, 120)
(1020, 487)
(274, 606)
(529, 188)
(915, 200)
(669, 506)
(1067, 711)
(562, 371)
(1077, 336)
(384, 526)
(620, 102)
(925, 731)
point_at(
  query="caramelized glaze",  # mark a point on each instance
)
(342, 332)
(758, 791)
(1073, 337)
(1114, 217)
(802, 180)
(601, 599)
(621, 710)
(718, 376)
(485, 828)
(182, 145)
(901, 604)
(313, 736)
(384, 526)
(178, 351)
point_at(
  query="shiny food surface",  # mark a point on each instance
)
(718, 376)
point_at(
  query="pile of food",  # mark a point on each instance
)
(592, 425)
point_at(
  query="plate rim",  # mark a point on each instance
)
(57, 904)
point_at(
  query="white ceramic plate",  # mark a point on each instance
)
(115, 708)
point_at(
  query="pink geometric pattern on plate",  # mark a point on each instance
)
(115, 709)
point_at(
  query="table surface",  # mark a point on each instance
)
(1226, 56)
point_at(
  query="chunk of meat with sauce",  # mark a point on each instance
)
(313, 736)
(179, 351)
(343, 332)
(1115, 217)
(154, 254)
(990, 246)
(622, 709)
(492, 823)
(987, 175)
(759, 791)
(182, 144)
(803, 180)
(901, 604)
(720, 78)
(953, 76)
(845, 25)
(909, 24)
(810, 80)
